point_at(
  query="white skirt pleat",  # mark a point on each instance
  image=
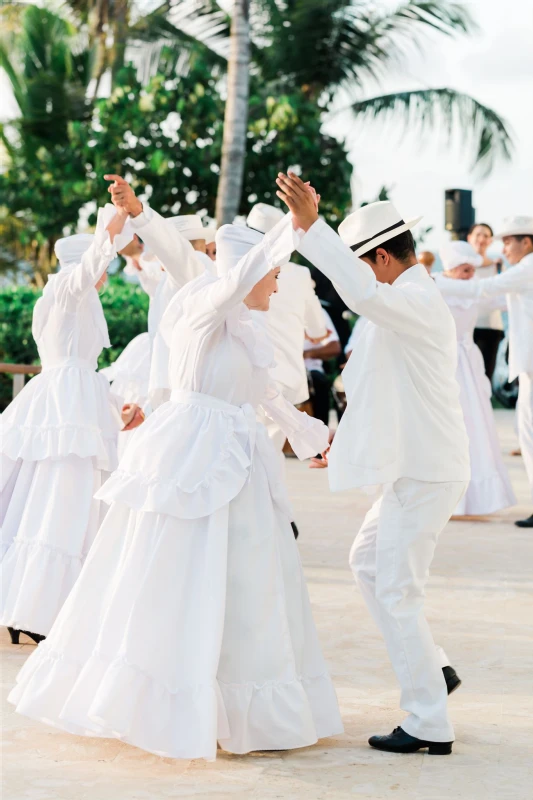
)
(180, 633)
(49, 521)
(490, 487)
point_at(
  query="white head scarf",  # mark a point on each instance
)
(70, 250)
(234, 242)
(453, 254)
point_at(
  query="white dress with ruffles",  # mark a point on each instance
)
(58, 443)
(191, 622)
(490, 487)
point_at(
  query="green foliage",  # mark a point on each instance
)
(125, 307)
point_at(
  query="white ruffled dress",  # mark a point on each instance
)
(490, 487)
(191, 623)
(58, 444)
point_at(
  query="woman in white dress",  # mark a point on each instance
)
(490, 488)
(191, 622)
(58, 439)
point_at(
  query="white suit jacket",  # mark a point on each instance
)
(294, 310)
(403, 419)
(517, 284)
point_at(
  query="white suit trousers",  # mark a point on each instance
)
(524, 417)
(390, 559)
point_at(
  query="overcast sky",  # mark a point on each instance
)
(496, 67)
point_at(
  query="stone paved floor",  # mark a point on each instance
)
(480, 605)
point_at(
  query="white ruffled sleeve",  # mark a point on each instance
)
(308, 436)
(80, 279)
(171, 248)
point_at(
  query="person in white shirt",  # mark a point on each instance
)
(517, 284)
(295, 312)
(191, 624)
(403, 430)
(58, 438)
(489, 328)
(161, 236)
(315, 355)
(490, 488)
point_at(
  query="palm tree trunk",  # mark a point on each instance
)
(235, 117)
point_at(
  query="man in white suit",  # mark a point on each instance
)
(403, 431)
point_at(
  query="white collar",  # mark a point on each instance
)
(414, 273)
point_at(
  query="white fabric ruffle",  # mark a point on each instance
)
(130, 373)
(116, 700)
(188, 460)
(63, 411)
(49, 521)
(181, 632)
(490, 487)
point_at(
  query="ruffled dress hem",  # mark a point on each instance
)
(115, 699)
(486, 496)
(31, 563)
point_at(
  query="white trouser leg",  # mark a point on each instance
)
(390, 559)
(524, 417)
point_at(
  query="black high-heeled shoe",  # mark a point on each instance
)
(15, 636)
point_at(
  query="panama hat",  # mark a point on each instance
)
(516, 226)
(263, 217)
(455, 253)
(190, 226)
(372, 225)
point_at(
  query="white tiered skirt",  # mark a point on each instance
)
(490, 487)
(57, 446)
(181, 632)
(49, 519)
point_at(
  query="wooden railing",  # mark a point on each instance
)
(19, 372)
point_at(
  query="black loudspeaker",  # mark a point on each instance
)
(459, 213)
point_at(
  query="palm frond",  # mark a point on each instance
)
(445, 17)
(445, 110)
(176, 30)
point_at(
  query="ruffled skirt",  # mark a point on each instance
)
(63, 411)
(181, 632)
(49, 519)
(490, 488)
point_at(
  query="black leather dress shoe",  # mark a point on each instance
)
(295, 530)
(453, 681)
(400, 742)
(525, 523)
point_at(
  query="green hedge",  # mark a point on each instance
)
(125, 308)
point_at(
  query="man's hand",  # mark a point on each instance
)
(123, 196)
(320, 463)
(464, 272)
(132, 416)
(300, 198)
(320, 339)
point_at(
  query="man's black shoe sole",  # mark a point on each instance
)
(434, 748)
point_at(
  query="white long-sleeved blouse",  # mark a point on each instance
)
(68, 408)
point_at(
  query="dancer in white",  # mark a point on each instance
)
(59, 437)
(164, 237)
(191, 620)
(403, 430)
(517, 284)
(490, 488)
(129, 374)
(295, 312)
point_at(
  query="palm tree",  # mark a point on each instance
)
(329, 50)
(235, 117)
